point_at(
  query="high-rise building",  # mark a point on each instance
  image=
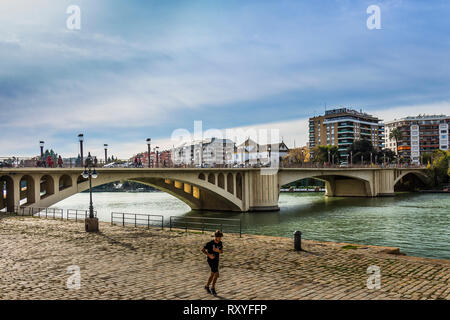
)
(423, 133)
(341, 127)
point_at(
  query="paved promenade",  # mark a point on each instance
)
(129, 263)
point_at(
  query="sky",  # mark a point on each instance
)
(144, 69)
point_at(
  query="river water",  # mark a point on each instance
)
(417, 223)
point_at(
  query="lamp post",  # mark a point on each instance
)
(351, 158)
(148, 146)
(41, 145)
(157, 160)
(106, 152)
(81, 139)
(91, 223)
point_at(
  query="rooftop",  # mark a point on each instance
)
(348, 111)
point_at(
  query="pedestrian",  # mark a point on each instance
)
(49, 161)
(60, 162)
(213, 249)
(135, 162)
(95, 161)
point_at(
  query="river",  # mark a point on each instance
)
(417, 223)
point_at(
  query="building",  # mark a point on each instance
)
(161, 159)
(250, 152)
(419, 134)
(211, 152)
(341, 127)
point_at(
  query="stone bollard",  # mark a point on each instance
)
(298, 241)
(91, 224)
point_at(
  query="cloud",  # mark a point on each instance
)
(140, 70)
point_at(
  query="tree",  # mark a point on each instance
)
(361, 149)
(396, 135)
(297, 155)
(321, 154)
(438, 171)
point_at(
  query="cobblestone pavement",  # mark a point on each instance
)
(136, 263)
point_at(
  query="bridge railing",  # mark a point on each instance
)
(54, 213)
(206, 224)
(137, 219)
(77, 214)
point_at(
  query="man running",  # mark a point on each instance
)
(212, 249)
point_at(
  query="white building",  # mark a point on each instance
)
(207, 152)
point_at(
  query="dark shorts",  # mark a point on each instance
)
(214, 265)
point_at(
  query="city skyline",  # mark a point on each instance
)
(275, 65)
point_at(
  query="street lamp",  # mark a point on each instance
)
(41, 144)
(81, 139)
(91, 223)
(157, 160)
(106, 152)
(148, 145)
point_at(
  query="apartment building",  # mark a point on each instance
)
(341, 127)
(420, 134)
(211, 151)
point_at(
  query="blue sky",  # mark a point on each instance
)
(139, 69)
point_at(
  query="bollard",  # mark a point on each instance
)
(298, 241)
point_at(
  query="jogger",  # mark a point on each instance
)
(212, 249)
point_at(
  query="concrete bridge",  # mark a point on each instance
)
(225, 189)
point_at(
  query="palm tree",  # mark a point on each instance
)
(396, 135)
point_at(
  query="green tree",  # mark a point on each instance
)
(397, 136)
(361, 148)
(438, 171)
(321, 154)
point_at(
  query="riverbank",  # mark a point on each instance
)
(136, 263)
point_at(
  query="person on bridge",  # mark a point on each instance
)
(60, 162)
(49, 162)
(212, 249)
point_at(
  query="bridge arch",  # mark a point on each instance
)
(28, 190)
(65, 181)
(6, 194)
(47, 185)
(401, 174)
(195, 192)
(357, 184)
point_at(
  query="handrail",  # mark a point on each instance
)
(206, 223)
(138, 219)
(36, 211)
(77, 212)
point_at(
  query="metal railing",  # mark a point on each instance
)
(76, 214)
(40, 212)
(206, 224)
(137, 219)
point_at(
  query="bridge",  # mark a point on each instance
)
(224, 189)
